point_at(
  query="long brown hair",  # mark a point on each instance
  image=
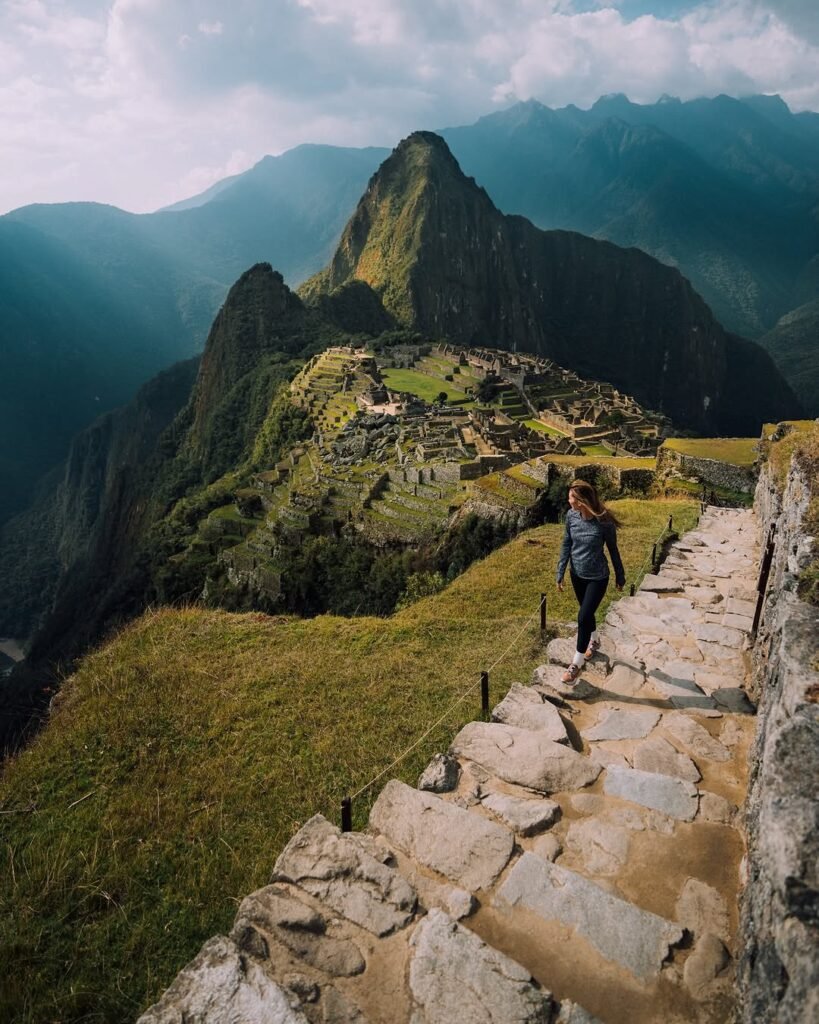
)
(588, 497)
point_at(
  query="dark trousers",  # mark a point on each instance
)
(589, 594)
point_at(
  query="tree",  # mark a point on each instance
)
(441, 398)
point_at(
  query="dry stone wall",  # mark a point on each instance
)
(712, 472)
(779, 970)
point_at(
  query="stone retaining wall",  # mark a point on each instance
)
(778, 972)
(709, 471)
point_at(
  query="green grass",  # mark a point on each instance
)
(543, 428)
(422, 385)
(184, 753)
(620, 461)
(738, 451)
(596, 449)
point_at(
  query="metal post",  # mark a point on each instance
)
(485, 693)
(631, 590)
(542, 612)
(347, 814)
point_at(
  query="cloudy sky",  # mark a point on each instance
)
(143, 102)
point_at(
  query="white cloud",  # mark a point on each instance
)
(136, 105)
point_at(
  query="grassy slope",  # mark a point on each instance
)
(738, 451)
(205, 739)
(421, 384)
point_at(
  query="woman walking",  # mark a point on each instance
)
(589, 527)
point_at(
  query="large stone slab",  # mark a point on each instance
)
(673, 797)
(219, 985)
(561, 650)
(462, 846)
(657, 755)
(695, 737)
(616, 724)
(619, 931)
(524, 757)
(660, 584)
(456, 978)
(703, 595)
(625, 679)
(742, 622)
(722, 635)
(733, 699)
(332, 866)
(736, 606)
(602, 846)
(682, 691)
(548, 678)
(526, 817)
(525, 708)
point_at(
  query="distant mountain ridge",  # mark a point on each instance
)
(724, 189)
(446, 262)
(97, 300)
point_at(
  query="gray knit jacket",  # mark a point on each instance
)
(583, 543)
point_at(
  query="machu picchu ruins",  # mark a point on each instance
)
(407, 435)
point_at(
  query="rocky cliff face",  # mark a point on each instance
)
(445, 261)
(779, 970)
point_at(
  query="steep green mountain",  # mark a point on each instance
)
(726, 190)
(97, 300)
(87, 554)
(446, 262)
(794, 345)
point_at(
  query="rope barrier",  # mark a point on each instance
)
(482, 681)
(652, 558)
(471, 689)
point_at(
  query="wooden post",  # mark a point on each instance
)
(631, 590)
(485, 693)
(762, 582)
(542, 612)
(670, 521)
(347, 814)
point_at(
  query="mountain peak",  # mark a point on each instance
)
(408, 202)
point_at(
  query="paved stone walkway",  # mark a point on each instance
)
(576, 859)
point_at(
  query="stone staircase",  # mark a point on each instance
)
(576, 859)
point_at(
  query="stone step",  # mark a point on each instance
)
(421, 824)
(672, 796)
(621, 932)
(525, 708)
(561, 651)
(523, 757)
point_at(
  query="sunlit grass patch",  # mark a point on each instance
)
(738, 451)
